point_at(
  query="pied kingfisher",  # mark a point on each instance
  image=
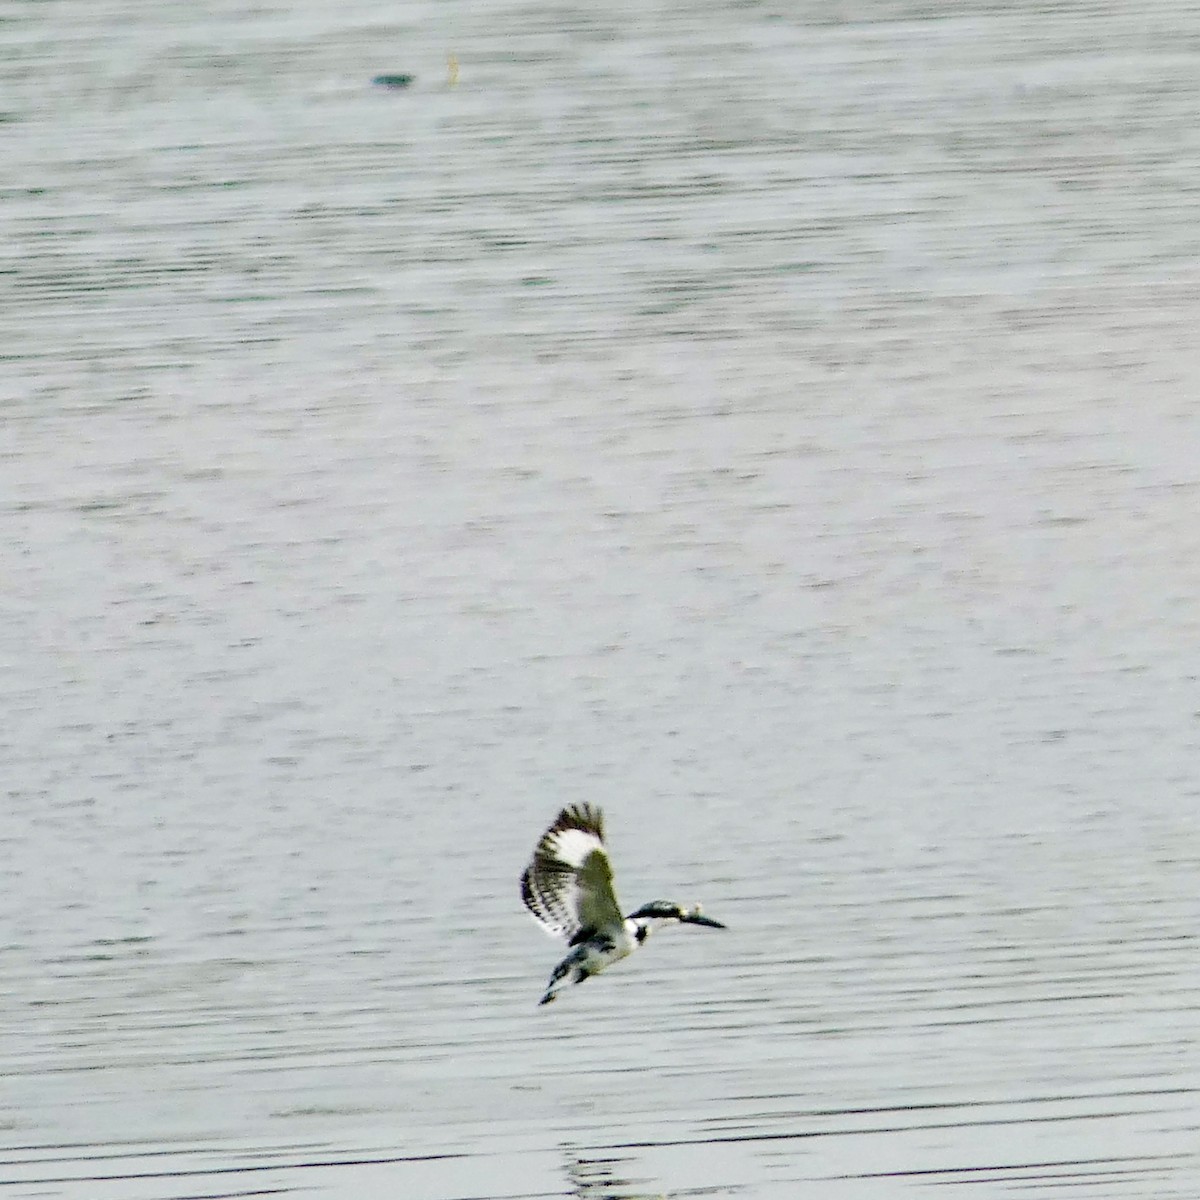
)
(568, 887)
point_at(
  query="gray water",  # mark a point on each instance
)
(775, 423)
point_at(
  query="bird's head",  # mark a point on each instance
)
(667, 912)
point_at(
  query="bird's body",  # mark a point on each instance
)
(568, 887)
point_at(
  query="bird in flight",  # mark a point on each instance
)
(568, 887)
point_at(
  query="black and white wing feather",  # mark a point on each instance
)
(568, 886)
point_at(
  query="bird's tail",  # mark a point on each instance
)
(567, 972)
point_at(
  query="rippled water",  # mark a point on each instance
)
(776, 424)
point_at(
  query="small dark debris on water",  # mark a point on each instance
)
(393, 81)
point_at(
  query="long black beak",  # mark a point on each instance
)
(699, 919)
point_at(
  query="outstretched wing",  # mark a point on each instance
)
(568, 885)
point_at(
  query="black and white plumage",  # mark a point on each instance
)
(568, 887)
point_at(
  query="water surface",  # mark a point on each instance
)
(774, 424)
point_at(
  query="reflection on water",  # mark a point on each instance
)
(604, 1178)
(777, 427)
